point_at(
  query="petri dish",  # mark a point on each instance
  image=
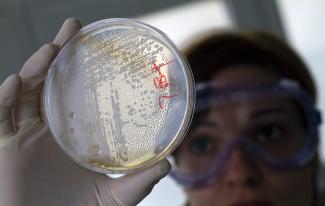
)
(119, 96)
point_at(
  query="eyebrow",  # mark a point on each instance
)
(270, 111)
(207, 123)
(255, 114)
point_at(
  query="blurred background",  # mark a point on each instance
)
(27, 24)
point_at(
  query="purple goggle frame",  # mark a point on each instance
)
(206, 97)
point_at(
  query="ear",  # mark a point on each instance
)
(316, 166)
(316, 162)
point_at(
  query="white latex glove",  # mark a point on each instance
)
(33, 169)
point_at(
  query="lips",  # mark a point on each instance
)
(252, 203)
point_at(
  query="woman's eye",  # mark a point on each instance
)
(267, 134)
(202, 145)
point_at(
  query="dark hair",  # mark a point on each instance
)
(216, 50)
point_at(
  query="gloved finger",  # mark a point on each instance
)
(8, 94)
(35, 68)
(32, 74)
(37, 65)
(131, 189)
(34, 71)
(69, 28)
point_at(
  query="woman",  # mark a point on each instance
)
(254, 137)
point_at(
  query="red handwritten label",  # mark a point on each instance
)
(160, 82)
(162, 97)
(157, 68)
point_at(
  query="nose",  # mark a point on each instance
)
(241, 170)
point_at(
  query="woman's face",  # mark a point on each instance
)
(245, 181)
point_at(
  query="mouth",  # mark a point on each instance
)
(251, 203)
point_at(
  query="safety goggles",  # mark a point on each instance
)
(280, 141)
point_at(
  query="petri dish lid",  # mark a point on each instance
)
(119, 96)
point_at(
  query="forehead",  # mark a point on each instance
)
(251, 109)
(246, 109)
(241, 73)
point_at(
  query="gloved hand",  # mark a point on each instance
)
(33, 169)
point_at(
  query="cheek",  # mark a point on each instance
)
(204, 196)
(282, 188)
(291, 188)
(216, 194)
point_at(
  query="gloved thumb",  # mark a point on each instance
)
(131, 189)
